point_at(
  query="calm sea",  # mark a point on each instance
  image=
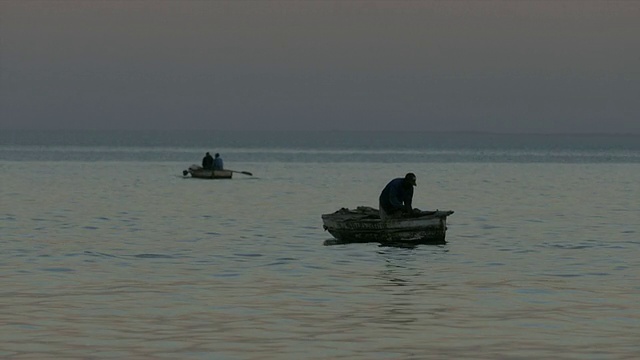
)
(108, 252)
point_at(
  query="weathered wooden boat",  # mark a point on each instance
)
(199, 172)
(364, 225)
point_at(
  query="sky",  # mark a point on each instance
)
(491, 66)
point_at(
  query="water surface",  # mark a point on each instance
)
(125, 258)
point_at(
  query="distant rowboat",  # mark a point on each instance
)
(199, 172)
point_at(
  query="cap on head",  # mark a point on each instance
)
(411, 178)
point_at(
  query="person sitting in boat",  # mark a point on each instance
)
(218, 163)
(207, 162)
(396, 197)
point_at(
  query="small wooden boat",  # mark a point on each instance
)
(364, 225)
(199, 172)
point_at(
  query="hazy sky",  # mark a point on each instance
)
(500, 66)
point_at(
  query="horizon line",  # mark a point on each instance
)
(474, 132)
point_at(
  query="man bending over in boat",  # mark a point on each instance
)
(396, 197)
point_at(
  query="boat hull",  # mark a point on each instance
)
(201, 173)
(364, 225)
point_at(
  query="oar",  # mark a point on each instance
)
(241, 172)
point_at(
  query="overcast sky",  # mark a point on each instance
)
(498, 66)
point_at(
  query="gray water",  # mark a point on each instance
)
(125, 258)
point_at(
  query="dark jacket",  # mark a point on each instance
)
(396, 196)
(207, 162)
